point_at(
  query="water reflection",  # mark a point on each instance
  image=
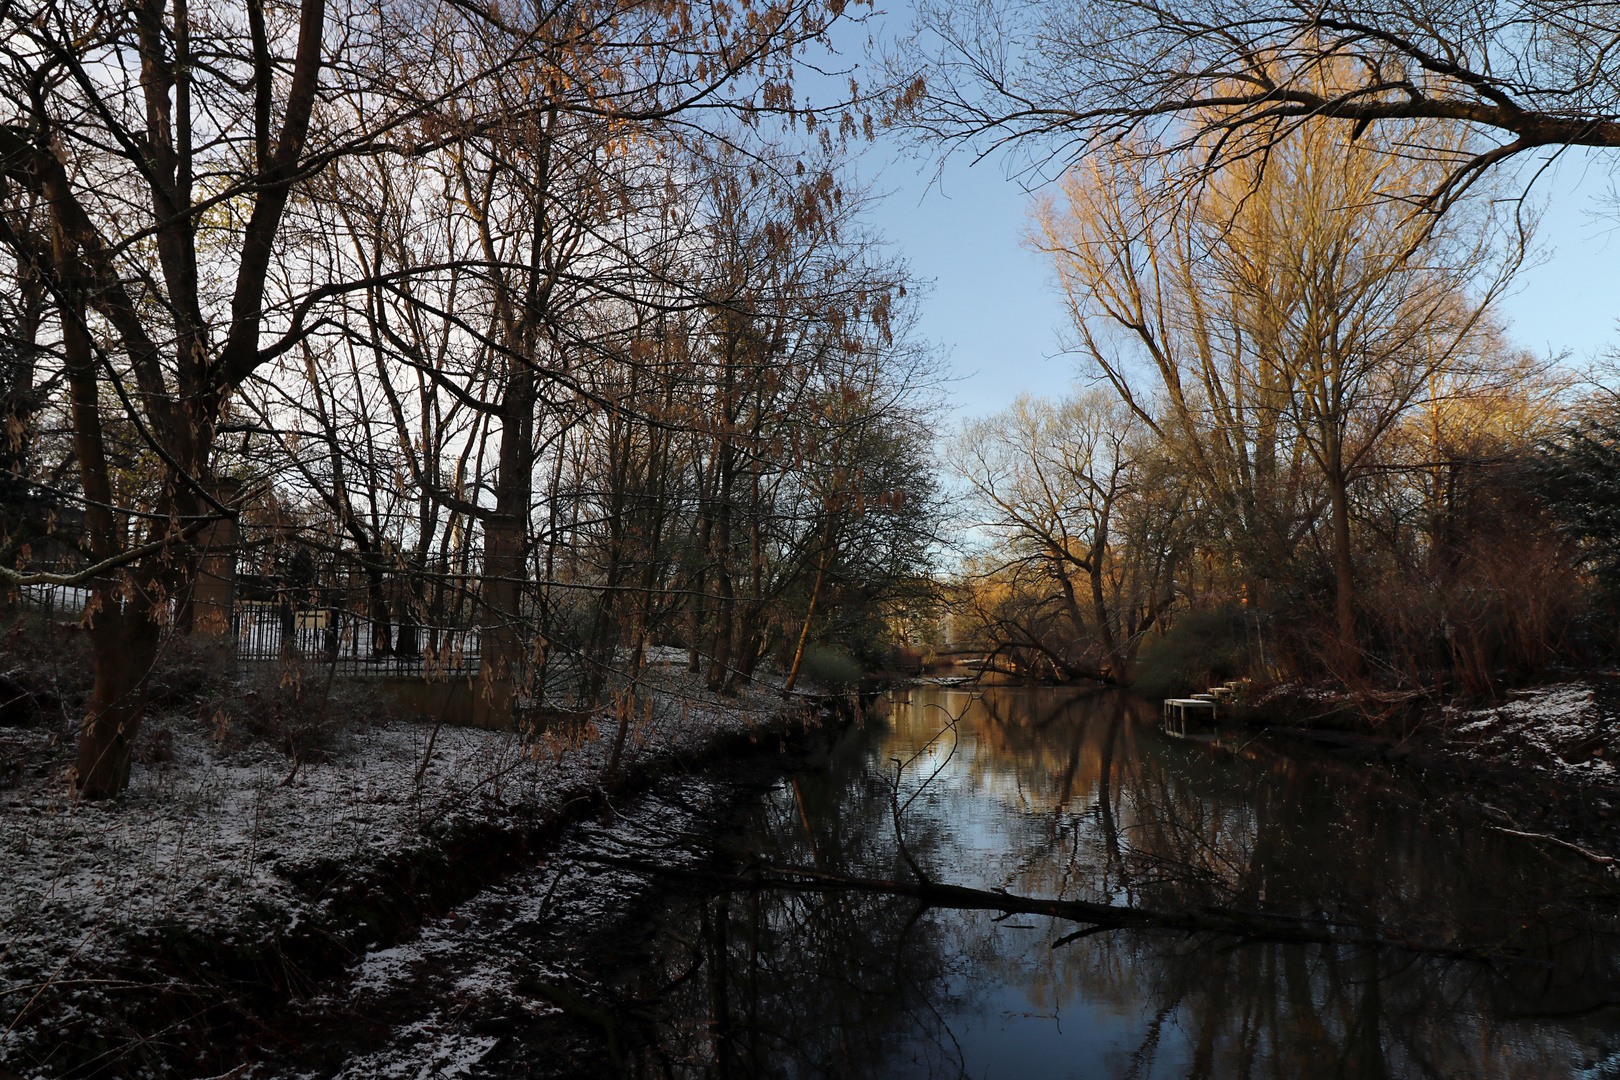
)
(1055, 793)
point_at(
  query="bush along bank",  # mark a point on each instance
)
(162, 933)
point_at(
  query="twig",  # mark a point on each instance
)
(1585, 853)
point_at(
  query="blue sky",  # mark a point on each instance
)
(992, 307)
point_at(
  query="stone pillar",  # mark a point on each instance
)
(213, 593)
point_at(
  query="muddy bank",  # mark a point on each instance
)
(174, 931)
(527, 977)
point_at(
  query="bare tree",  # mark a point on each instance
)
(166, 143)
(1063, 79)
(1291, 312)
(1054, 481)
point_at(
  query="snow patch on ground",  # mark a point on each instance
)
(485, 962)
(214, 842)
(1567, 729)
(424, 1053)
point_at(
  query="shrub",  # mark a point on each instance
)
(1201, 649)
(156, 746)
(830, 666)
(299, 712)
(45, 671)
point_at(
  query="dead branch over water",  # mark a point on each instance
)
(1209, 919)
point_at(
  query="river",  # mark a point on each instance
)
(1078, 794)
(1060, 793)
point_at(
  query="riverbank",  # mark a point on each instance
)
(1543, 759)
(526, 979)
(177, 922)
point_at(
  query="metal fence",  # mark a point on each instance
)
(54, 601)
(350, 641)
(284, 625)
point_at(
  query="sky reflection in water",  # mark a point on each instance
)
(1058, 793)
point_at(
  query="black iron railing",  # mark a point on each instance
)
(284, 625)
(352, 642)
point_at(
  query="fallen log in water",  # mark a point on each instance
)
(1207, 919)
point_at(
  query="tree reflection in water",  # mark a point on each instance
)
(1054, 793)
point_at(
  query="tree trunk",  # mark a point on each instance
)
(500, 644)
(749, 653)
(382, 619)
(123, 640)
(725, 603)
(1071, 603)
(810, 614)
(123, 645)
(1202, 919)
(1105, 631)
(1344, 572)
(697, 612)
(1113, 656)
(495, 692)
(725, 627)
(605, 629)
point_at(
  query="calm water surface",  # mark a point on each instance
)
(1060, 793)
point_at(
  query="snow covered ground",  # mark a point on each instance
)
(1570, 730)
(444, 998)
(221, 842)
(1567, 730)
